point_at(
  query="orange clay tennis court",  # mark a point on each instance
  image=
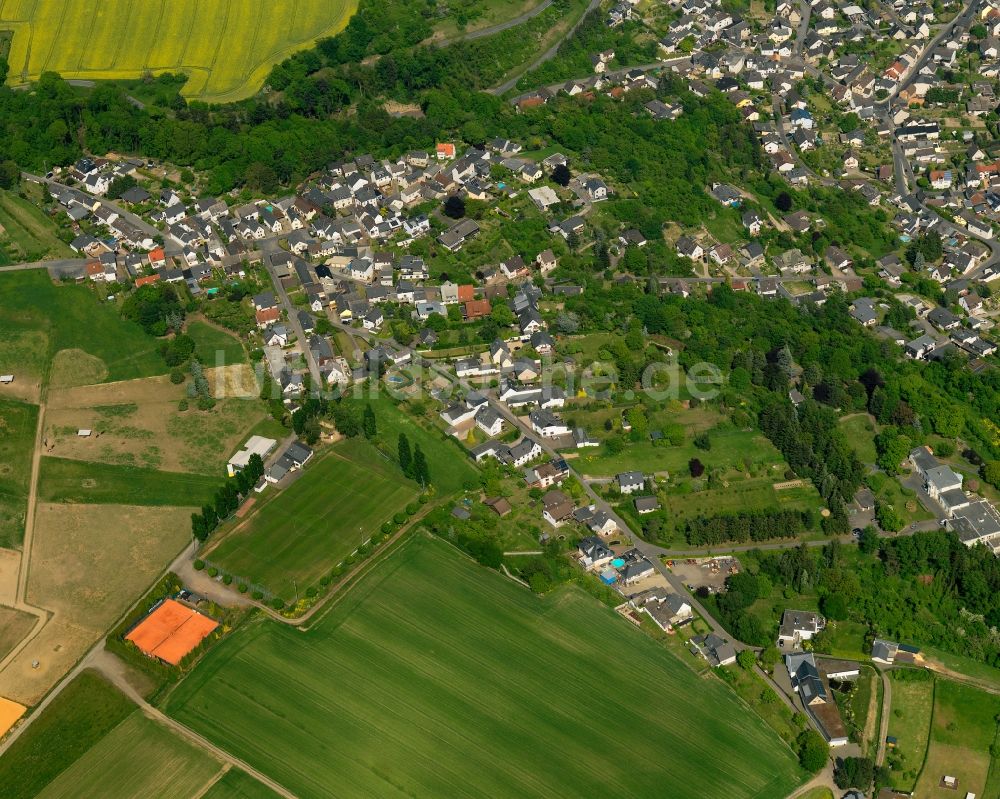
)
(171, 631)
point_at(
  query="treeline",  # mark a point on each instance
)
(812, 442)
(750, 525)
(926, 589)
(227, 499)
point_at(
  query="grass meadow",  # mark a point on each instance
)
(226, 47)
(910, 723)
(963, 730)
(72, 318)
(449, 464)
(436, 677)
(80, 716)
(212, 344)
(341, 500)
(65, 480)
(18, 422)
(136, 760)
(28, 235)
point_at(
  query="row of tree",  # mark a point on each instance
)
(227, 499)
(749, 525)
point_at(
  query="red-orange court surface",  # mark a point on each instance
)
(171, 631)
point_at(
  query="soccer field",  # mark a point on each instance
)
(340, 501)
(226, 47)
(436, 677)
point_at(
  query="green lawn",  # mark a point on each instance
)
(236, 784)
(138, 759)
(909, 723)
(436, 677)
(18, 422)
(65, 480)
(341, 500)
(964, 729)
(752, 689)
(741, 494)
(80, 716)
(860, 432)
(73, 318)
(27, 233)
(729, 447)
(450, 466)
(215, 347)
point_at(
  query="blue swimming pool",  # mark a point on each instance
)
(617, 563)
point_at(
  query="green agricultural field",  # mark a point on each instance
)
(962, 733)
(340, 501)
(216, 347)
(226, 47)
(18, 423)
(80, 716)
(138, 759)
(436, 677)
(65, 480)
(910, 724)
(26, 234)
(71, 317)
(237, 784)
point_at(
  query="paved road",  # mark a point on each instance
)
(500, 27)
(56, 267)
(270, 246)
(170, 247)
(549, 54)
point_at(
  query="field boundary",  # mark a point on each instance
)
(930, 729)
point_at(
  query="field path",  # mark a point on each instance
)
(111, 668)
(886, 707)
(20, 595)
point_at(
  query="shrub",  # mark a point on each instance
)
(258, 595)
(412, 508)
(227, 579)
(176, 376)
(387, 527)
(242, 588)
(182, 405)
(198, 565)
(212, 571)
(312, 591)
(399, 518)
(277, 603)
(423, 499)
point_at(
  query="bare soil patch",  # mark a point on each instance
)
(88, 564)
(138, 423)
(10, 562)
(14, 625)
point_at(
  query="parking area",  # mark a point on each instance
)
(708, 572)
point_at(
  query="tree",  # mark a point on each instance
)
(120, 185)
(420, 471)
(868, 541)
(990, 472)
(696, 467)
(746, 658)
(403, 451)
(834, 606)
(854, 772)
(783, 202)
(502, 314)
(368, 423)
(813, 751)
(10, 174)
(892, 449)
(561, 175)
(454, 207)
(888, 518)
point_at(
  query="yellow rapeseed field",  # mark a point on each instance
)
(227, 47)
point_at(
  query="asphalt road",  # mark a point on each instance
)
(549, 54)
(498, 28)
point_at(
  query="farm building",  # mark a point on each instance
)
(256, 445)
(171, 631)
